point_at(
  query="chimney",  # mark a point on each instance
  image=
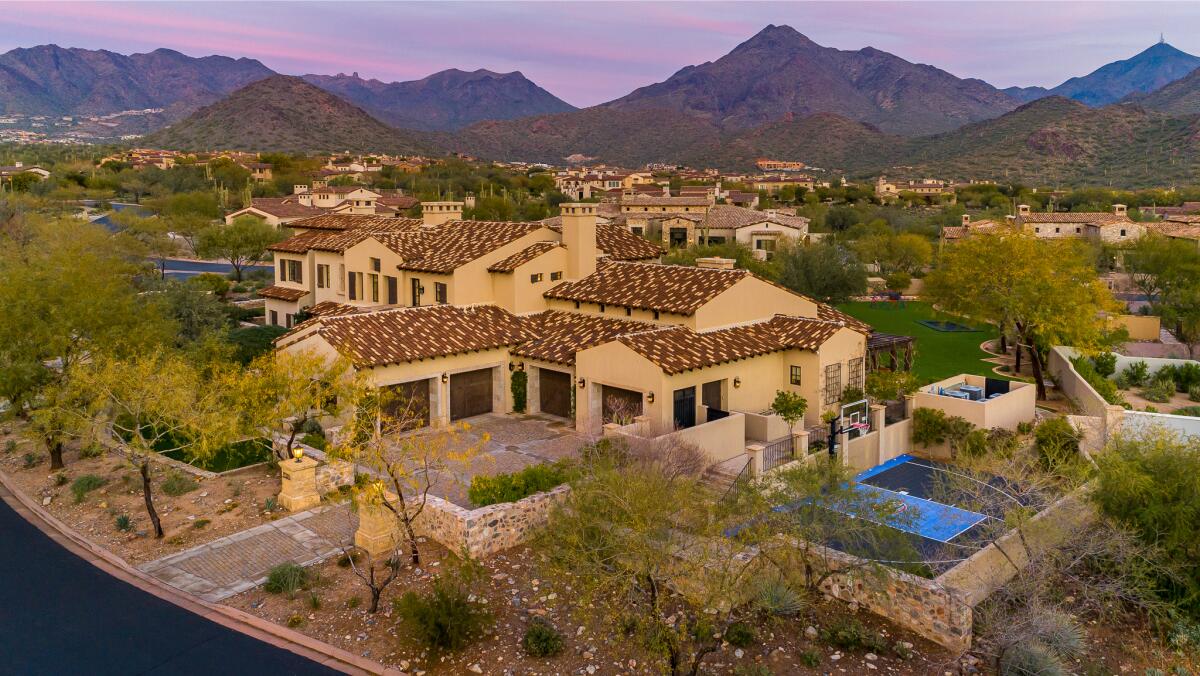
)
(579, 236)
(1119, 210)
(299, 188)
(1022, 209)
(966, 220)
(715, 263)
(437, 213)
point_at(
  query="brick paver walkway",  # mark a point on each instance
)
(235, 563)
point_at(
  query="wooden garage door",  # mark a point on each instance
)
(554, 391)
(407, 404)
(620, 405)
(470, 393)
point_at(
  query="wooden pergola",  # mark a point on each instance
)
(891, 352)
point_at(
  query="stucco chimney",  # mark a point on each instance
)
(966, 219)
(1119, 210)
(436, 213)
(579, 236)
(1022, 209)
(715, 263)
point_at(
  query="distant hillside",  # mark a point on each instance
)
(448, 100)
(1146, 71)
(51, 80)
(779, 73)
(1180, 98)
(284, 114)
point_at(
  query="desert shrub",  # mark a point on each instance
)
(10, 446)
(91, 451)
(810, 658)
(1160, 391)
(1151, 484)
(1044, 643)
(84, 485)
(1002, 442)
(542, 639)
(445, 618)
(1135, 374)
(123, 523)
(352, 557)
(29, 460)
(1057, 442)
(295, 620)
(61, 479)
(850, 634)
(1105, 363)
(1187, 376)
(776, 598)
(314, 601)
(932, 427)
(741, 635)
(884, 385)
(1192, 411)
(286, 578)
(251, 342)
(1106, 388)
(211, 282)
(490, 490)
(1163, 374)
(1030, 659)
(312, 426)
(898, 281)
(1194, 393)
(976, 443)
(1025, 427)
(317, 441)
(177, 484)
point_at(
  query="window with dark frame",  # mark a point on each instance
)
(374, 279)
(833, 383)
(375, 264)
(855, 377)
(794, 376)
(439, 292)
(352, 291)
(535, 278)
(322, 276)
(555, 276)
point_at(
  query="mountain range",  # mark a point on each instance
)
(1148, 70)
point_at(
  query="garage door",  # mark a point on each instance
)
(407, 404)
(619, 405)
(470, 393)
(554, 391)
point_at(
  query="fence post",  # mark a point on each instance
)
(755, 451)
(298, 490)
(800, 445)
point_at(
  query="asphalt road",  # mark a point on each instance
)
(60, 614)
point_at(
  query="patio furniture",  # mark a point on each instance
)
(974, 392)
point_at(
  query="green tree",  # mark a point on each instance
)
(1047, 290)
(826, 271)
(242, 242)
(791, 407)
(1168, 270)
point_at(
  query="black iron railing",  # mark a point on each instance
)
(742, 476)
(778, 452)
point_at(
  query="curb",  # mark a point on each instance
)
(231, 618)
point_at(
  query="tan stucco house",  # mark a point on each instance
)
(447, 313)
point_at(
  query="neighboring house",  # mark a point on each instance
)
(927, 187)
(742, 199)
(306, 202)
(773, 184)
(22, 168)
(1112, 227)
(1180, 227)
(954, 233)
(779, 165)
(276, 211)
(717, 224)
(445, 314)
(259, 171)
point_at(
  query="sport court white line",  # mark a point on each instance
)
(967, 476)
(943, 505)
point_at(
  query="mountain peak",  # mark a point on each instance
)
(773, 36)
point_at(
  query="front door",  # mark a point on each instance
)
(470, 393)
(685, 408)
(393, 293)
(554, 392)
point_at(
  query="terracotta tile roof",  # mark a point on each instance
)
(655, 201)
(616, 241)
(677, 349)
(456, 243)
(523, 256)
(1097, 218)
(559, 335)
(400, 335)
(1178, 228)
(832, 314)
(283, 207)
(329, 308)
(282, 293)
(959, 231)
(724, 216)
(327, 221)
(669, 288)
(321, 240)
(1184, 218)
(399, 201)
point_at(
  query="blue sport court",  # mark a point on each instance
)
(910, 482)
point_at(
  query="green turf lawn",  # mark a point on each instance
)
(939, 354)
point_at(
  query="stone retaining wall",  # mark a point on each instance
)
(487, 530)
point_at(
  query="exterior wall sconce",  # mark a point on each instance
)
(511, 367)
(582, 383)
(649, 397)
(445, 377)
(737, 382)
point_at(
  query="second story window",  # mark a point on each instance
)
(374, 284)
(535, 278)
(833, 383)
(322, 276)
(439, 292)
(375, 264)
(290, 271)
(795, 377)
(555, 276)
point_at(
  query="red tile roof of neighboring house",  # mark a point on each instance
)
(329, 308)
(654, 201)
(327, 221)
(283, 207)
